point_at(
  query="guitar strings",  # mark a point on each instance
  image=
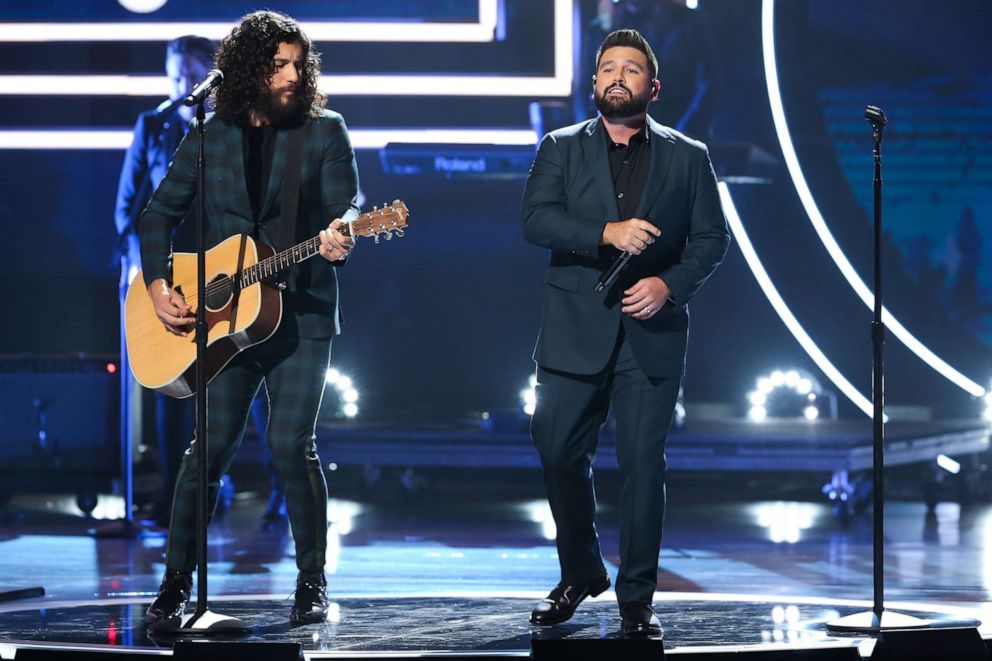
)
(283, 260)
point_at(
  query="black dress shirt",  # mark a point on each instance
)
(629, 165)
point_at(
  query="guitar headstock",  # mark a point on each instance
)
(386, 221)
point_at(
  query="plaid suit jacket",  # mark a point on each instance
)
(328, 190)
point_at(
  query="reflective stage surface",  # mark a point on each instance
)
(457, 566)
(467, 624)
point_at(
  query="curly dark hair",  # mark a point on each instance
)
(246, 60)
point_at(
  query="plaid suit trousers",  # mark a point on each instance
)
(293, 370)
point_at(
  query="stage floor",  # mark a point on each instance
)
(458, 567)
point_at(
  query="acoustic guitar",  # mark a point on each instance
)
(244, 302)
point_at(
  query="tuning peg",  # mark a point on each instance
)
(375, 237)
(399, 232)
(389, 236)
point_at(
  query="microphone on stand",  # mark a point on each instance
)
(204, 87)
(610, 275)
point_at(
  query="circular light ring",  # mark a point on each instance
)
(820, 225)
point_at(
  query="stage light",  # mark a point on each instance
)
(820, 224)
(786, 394)
(111, 368)
(679, 420)
(783, 311)
(528, 396)
(560, 84)
(360, 138)
(948, 464)
(347, 394)
(692, 4)
(347, 31)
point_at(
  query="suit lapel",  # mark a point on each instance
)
(595, 156)
(662, 150)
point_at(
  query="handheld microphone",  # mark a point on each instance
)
(205, 86)
(610, 275)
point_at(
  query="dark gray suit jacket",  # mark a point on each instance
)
(568, 199)
(328, 190)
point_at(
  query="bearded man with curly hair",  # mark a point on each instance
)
(268, 102)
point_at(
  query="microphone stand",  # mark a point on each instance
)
(878, 619)
(202, 621)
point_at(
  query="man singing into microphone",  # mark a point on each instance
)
(619, 183)
(268, 108)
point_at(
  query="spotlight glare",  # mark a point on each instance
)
(778, 378)
(350, 395)
(988, 414)
(765, 385)
(811, 413)
(529, 396)
(343, 383)
(804, 386)
(529, 408)
(532, 381)
(351, 409)
(332, 375)
(757, 398)
(757, 413)
(948, 464)
(792, 379)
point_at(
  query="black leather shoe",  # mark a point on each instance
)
(310, 601)
(173, 594)
(564, 599)
(639, 620)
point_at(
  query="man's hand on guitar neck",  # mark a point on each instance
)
(335, 246)
(171, 308)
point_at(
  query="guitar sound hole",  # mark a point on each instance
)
(219, 292)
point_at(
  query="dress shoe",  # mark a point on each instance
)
(173, 594)
(639, 620)
(310, 601)
(564, 599)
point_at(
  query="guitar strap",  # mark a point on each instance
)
(291, 188)
(288, 220)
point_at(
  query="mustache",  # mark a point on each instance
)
(620, 86)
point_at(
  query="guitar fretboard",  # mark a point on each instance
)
(270, 266)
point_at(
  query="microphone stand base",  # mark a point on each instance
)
(869, 621)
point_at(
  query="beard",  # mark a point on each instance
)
(278, 110)
(622, 107)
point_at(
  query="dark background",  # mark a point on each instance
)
(441, 324)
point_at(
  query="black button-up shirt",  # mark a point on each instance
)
(629, 165)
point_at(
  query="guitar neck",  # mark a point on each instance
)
(270, 266)
(386, 221)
